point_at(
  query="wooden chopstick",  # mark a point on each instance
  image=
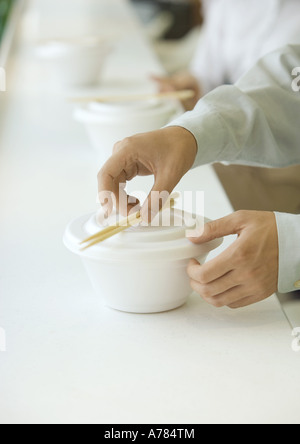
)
(102, 237)
(111, 231)
(125, 223)
(179, 95)
(77, 40)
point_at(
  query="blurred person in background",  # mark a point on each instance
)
(254, 122)
(236, 33)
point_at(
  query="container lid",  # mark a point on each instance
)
(147, 243)
(110, 111)
(120, 107)
(49, 49)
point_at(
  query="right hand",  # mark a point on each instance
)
(178, 82)
(168, 154)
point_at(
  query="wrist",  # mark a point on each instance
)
(187, 140)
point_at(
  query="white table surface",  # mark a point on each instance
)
(69, 358)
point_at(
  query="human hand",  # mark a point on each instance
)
(179, 82)
(168, 154)
(245, 273)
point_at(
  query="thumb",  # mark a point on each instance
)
(159, 79)
(165, 83)
(218, 228)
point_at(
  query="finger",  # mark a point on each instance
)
(226, 299)
(219, 228)
(165, 83)
(249, 300)
(110, 173)
(127, 204)
(160, 193)
(111, 183)
(213, 269)
(159, 78)
(217, 287)
(193, 264)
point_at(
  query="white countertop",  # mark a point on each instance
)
(68, 358)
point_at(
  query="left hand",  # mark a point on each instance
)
(167, 154)
(245, 273)
(178, 82)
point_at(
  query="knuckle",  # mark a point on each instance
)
(101, 174)
(239, 278)
(191, 265)
(203, 277)
(116, 148)
(250, 275)
(241, 215)
(202, 290)
(206, 292)
(242, 255)
(122, 145)
(209, 229)
(127, 141)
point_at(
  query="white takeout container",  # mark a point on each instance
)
(143, 269)
(75, 62)
(107, 124)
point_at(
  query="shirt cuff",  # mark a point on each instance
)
(288, 226)
(207, 127)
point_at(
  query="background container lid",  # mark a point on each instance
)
(52, 49)
(139, 243)
(99, 112)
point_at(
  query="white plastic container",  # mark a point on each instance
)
(141, 270)
(107, 124)
(76, 62)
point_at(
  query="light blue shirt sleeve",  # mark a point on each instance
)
(256, 122)
(288, 226)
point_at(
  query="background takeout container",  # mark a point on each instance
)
(107, 124)
(75, 63)
(143, 269)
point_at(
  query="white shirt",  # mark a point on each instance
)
(239, 32)
(256, 122)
